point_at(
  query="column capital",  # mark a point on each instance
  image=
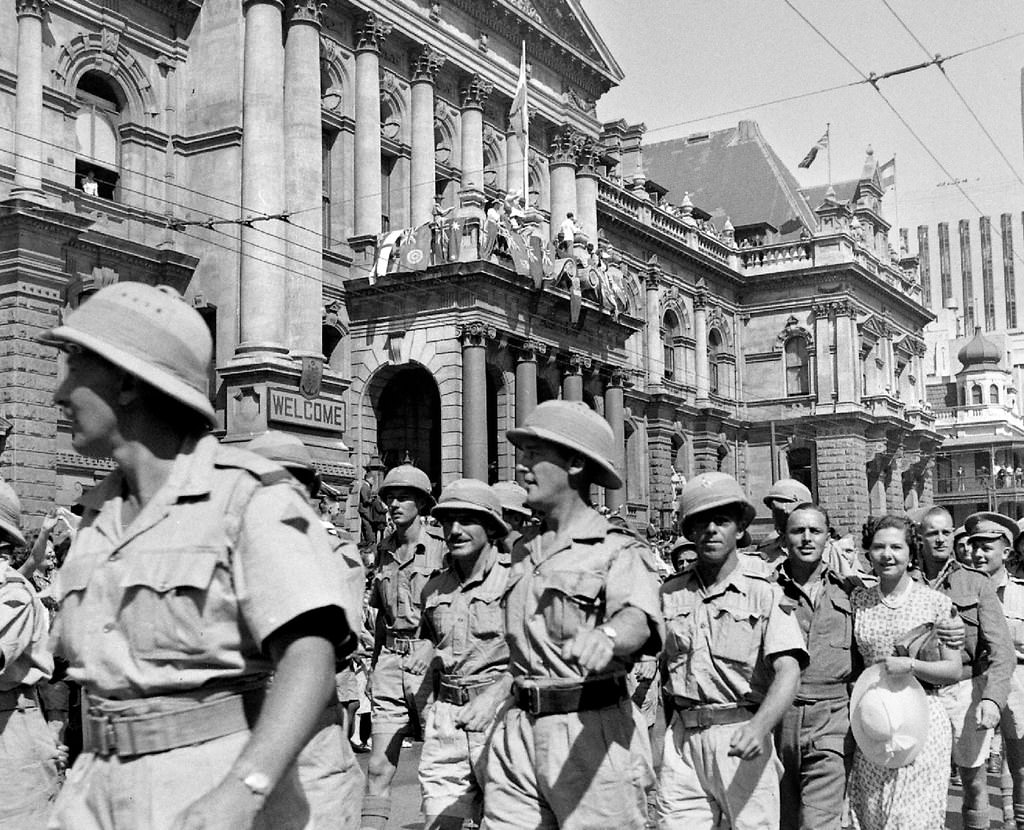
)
(587, 156)
(474, 92)
(577, 363)
(530, 351)
(371, 31)
(565, 144)
(619, 377)
(702, 298)
(307, 11)
(425, 62)
(31, 8)
(476, 333)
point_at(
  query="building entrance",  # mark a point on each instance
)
(408, 409)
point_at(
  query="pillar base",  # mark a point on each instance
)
(471, 203)
(364, 248)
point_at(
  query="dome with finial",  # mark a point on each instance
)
(979, 352)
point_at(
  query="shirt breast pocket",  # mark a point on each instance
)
(487, 619)
(841, 629)
(166, 601)
(736, 634)
(967, 608)
(570, 601)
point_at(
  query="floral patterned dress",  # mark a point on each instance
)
(911, 797)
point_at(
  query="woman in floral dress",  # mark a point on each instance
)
(912, 797)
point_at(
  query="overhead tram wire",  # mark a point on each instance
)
(873, 80)
(958, 93)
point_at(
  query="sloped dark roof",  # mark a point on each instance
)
(845, 192)
(733, 173)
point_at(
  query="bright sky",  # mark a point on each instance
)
(688, 60)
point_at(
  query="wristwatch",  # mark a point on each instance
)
(258, 784)
(608, 632)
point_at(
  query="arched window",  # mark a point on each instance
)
(993, 394)
(714, 352)
(669, 338)
(98, 154)
(797, 375)
(492, 163)
(444, 186)
(975, 394)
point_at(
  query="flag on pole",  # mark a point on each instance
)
(887, 174)
(414, 250)
(518, 117)
(812, 154)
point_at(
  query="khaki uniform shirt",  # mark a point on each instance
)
(465, 621)
(1011, 591)
(23, 632)
(400, 575)
(224, 554)
(721, 639)
(576, 580)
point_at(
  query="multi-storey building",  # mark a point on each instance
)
(254, 153)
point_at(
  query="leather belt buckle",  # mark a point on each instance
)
(102, 736)
(704, 718)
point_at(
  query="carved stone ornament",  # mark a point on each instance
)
(565, 144)
(587, 157)
(371, 30)
(307, 11)
(30, 8)
(527, 8)
(531, 350)
(578, 363)
(312, 376)
(794, 329)
(476, 333)
(475, 92)
(426, 62)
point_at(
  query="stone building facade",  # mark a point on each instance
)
(252, 153)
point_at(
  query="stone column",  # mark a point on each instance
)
(370, 33)
(586, 190)
(655, 355)
(425, 64)
(526, 378)
(615, 413)
(700, 338)
(847, 354)
(474, 337)
(572, 381)
(562, 173)
(28, 104)
(262, 285)
(303, 139)
(473, 95)
(824, 352)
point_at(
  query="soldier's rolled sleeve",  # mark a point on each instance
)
(17, 622)
(633, 582)
(282, 567)
(782, 633)
(1002, 659)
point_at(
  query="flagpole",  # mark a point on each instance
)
(896, 204)
(828, 148)
(526, 130)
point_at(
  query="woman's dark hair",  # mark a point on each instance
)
(887, 522)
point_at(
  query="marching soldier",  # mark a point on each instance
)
(733, 658)
(580, 606)
(784, 495)
(462, 617)
(406, 559)
(330, 776)
(198, 571)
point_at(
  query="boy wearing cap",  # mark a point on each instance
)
(406, 559)
(781, 498)
(733, 657)
(580, 605)
(462, 617)
(513, 510)
(974, 703)
(992, 536)
(28, 749)
(180, 596)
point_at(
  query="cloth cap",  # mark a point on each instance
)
(10, 515)
(788, 490)
(888, 716)
(470, 495)
(406, 475)
(985, 525)
(959, 534)
(287, 450)
(708, 491)
(574, 425)
(151, 333)
(512, 497)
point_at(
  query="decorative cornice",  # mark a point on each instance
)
(371, 31)
(833, 308)
(30, 8)
(307, 11)
(476, 333)
(474, 92)
(425, 63)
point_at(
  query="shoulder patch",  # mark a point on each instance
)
(267, 471)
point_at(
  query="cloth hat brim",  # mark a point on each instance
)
(12, 533)
(525, 512)
(749, 512)
(383, 493)
(607, 475)
(1007, 527)
(469, 507)
(140, 368)
(908, 703)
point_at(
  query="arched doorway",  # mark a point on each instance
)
(408, 410)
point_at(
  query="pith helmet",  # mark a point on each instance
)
(470, 495)
(10, 516)
(512, 497)
(406, 475)
(985, 525)
(575, 426)
(789, 491)
(288, 451)
(709, 491)
(149, 332)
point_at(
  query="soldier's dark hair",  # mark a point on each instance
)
(817, 508)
